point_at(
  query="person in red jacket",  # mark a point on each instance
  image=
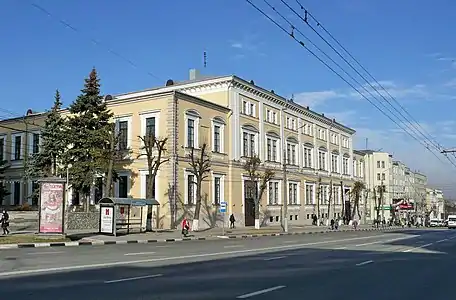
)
(185, 227)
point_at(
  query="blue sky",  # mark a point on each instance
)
(407, 45)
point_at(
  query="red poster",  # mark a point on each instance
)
(51, 213)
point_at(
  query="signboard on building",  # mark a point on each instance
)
(107, 219)
(52, 206)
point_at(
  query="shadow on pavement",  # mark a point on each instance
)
(316, 273)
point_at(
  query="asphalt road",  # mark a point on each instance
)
(414, 264)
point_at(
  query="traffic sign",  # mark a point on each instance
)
(223, 206)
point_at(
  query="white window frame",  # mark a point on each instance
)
(345, 165)
(334, 163)
(186, 183)
(336, 191)
(324, 155)
(196, 121)
(30, 141)
(248, 108)
(3, 137)
(312, 200)
(144, 116)
(279, 191)
(222, 135)
(295, 156)
(324, 189)
(143, 174)
(129, 121)
(298, 200)
(355, 168)
(222, 187)
(13, 146)
(310, 150)
(116, 184)
(255, 152)
(274, 117)
(277, 154)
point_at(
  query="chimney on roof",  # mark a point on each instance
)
(194, 74)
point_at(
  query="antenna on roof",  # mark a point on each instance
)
(205, 59)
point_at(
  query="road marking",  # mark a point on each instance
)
(365, 263)
(138, 253)
(132, 278)
(233, 246)
(142, 261)
(427, 245)
(423, 246)
(260, 292)
(45, 253)
(290, 242)
(274, 258)
(442, 241)
(379, 242)
(340, 248)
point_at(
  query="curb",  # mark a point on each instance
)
(244, 236)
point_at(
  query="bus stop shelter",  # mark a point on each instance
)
(116, 214)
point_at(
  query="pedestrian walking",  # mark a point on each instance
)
(185, 227)
(4, 221)
(232, 220)
(332, 224)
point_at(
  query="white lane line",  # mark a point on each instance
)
(441, 241)
(340, 248)
(233, 246)
(274, 258)
(260, 292)
(365, 263)
(149, 260)
(379, 242)
(132, 278)
(415, 248)
(427, 245)
(138, 253)
(45, 253)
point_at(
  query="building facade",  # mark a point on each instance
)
(435, 204)
(19, 139)
(235, 119)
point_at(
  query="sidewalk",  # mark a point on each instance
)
(92, 239)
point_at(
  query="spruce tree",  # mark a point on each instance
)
(89, 130)
(3, 191)
(47, 162)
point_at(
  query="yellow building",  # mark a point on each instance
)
(236, 119)
(19, 138)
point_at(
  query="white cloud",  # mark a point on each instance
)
(249, 45)
(451, 83)
(237, 45)
(314, 99)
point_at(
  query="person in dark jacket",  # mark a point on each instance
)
(4, 222)
(232, 220)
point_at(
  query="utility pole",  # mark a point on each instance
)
(318, 200)
(330, 199)
(381, 199)
(366, 194)
(285, 190)
(342, 194)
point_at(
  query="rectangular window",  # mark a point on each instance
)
(378, 176)
(252, 109)
(271, 149)
(150, 127)
(252, 145)
(190, 189)
(245, 143)
(217, 190)
(307, 158)
(383, 176)
(190, 133)
(149, 195)
(123, 187)
(35, 143)
(18, 147)
(123, 135)
(273, 193)
(216, 138)
(309, 194)
(291, 154)
(345, 165)
(245, 107)
(334, 161)
(323, 194)
(293, 193)
(17, 193)
(336, 195)
(378, 164)
(322, 160)
(383, 164)
(2, 149)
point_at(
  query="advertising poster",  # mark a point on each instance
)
(52, 207)
(107, 220)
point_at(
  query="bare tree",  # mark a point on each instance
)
(200, 167)
(154, 149)
(252, 166)
(318, 200)
(330, 199)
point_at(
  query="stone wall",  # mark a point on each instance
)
(83, 221)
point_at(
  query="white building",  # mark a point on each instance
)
(435, 204)
(378, 172)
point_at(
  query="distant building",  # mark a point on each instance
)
(435, 203)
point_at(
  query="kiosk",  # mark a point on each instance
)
(116, 214)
